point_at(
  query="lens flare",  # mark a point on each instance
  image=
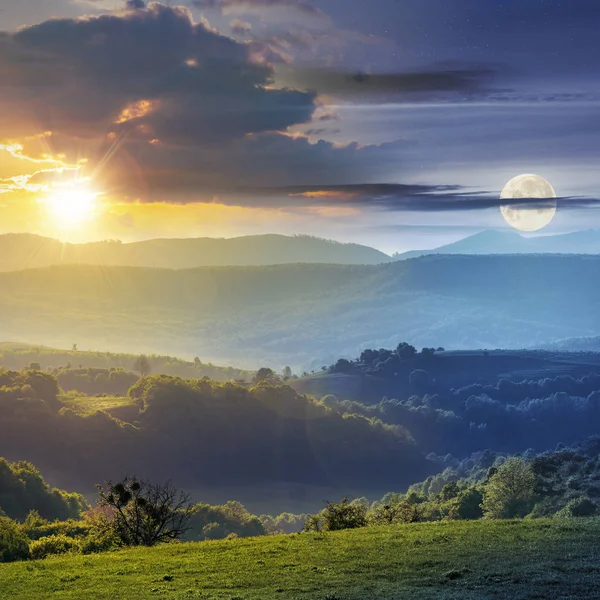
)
(72, 205)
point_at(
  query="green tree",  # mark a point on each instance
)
(14, 544)
(466, 505)
(578, 507)
(142, 365)
(264, 374)
(287, 372)
(35, 366)
(509, 493)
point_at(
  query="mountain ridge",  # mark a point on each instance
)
(491, 241)
(22, 251)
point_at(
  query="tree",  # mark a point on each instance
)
(386, 514)
(142, 365)
(264, 374)
(143, 513)
(35, 366)
(74, 348)
(14, 544)
(287, 372)
(405, 351)
(343, 365)
(510, 490)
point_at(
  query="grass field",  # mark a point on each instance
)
(84, 405)
(516, 560)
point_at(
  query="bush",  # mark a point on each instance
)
(578, 507)
(52, 545)
(14, 544)
(467, 505)
(344, 515)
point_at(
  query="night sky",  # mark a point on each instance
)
(228, 117)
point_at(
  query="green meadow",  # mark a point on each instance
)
(479, 560)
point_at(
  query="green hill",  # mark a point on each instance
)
(503, 560)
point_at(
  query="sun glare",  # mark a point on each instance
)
(73, 205)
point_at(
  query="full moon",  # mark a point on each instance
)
(526, 218)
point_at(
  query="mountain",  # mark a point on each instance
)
(305, 315)
(23, 251)
(510, 242)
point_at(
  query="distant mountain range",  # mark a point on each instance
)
(25, 251)
(509, 242)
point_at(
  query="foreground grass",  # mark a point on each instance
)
(516, 560)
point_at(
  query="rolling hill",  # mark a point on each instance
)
(504, 560)
(305, 315)
(23, 251)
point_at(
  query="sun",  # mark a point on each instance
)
(72, 205)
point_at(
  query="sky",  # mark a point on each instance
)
(385, 122)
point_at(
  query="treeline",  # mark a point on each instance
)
(199, 432)
(563, 483)
(23, 489)
(20, 356)
(37, 521)
(509, 416)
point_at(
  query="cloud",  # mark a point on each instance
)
(135, 4)
(161, 106)
(449, 82)
(227, 6)
(411, 198)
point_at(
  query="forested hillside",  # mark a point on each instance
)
(200, 433)
(305, 316)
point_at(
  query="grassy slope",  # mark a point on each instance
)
(468, 561)
(87, 405)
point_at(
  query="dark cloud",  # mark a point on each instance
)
(135, 4)
(449, 81)
(162, 106)
(411, 198)
(81, 75)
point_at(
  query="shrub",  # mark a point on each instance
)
(214, 531)
(467, 505)
(14, 544)
(344, 515)
(578, 507)
(314, 523)
(52, 545)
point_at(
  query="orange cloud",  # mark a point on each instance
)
(137, 110)
(326, 194)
